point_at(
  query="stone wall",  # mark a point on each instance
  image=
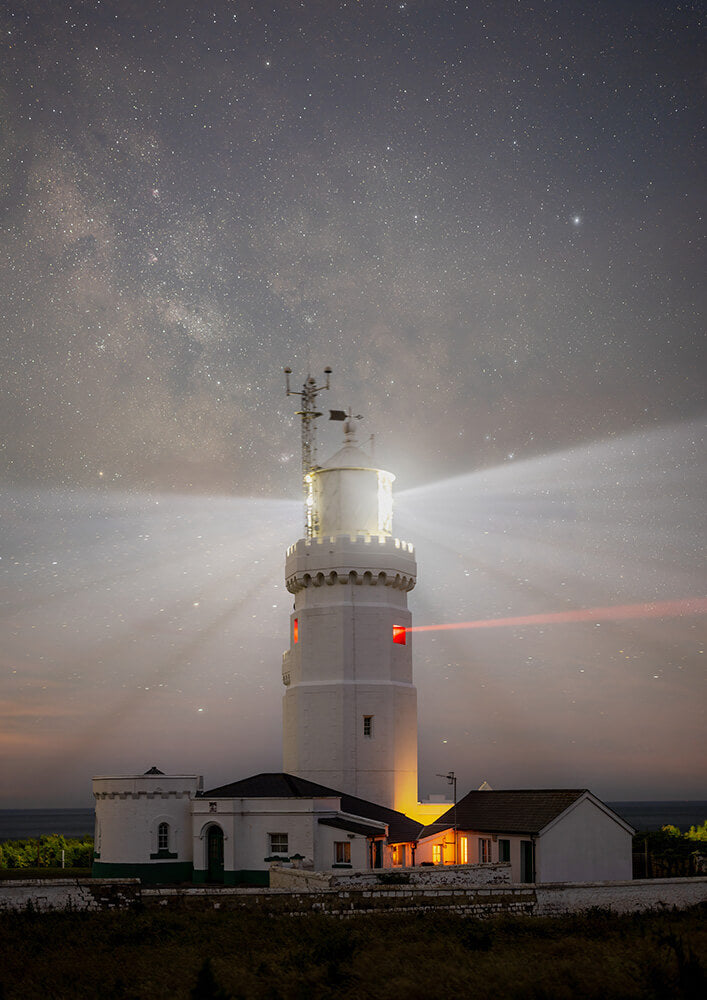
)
(475, 902)
(69, 894)
(472, 901)
(433, 877)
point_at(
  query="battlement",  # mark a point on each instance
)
(376, 560)
(367, 541)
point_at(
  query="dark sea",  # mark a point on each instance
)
(647, 816)
(18, 823)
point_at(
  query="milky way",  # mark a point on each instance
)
(486, 217)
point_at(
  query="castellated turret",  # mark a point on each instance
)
(350, 707)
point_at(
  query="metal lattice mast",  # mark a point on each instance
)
(309, 414)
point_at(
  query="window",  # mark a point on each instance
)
(278, 843)
(437, 854)
(484, 850)
(164, 848)
(400, 634)
(464, 851)
(295, 630)
(368, 725)
(342, 852)
(504, 850)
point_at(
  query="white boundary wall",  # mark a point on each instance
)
(489, 901)
(621, 897)
(442, 877)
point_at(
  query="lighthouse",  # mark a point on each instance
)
(350, 706)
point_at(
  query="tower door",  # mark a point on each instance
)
(214, 854)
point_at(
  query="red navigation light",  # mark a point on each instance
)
(295, 630)
(400, 634)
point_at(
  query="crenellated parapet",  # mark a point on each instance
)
(146, 786)
(143, 794)
(371, 560)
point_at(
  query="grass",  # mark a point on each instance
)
(204, 955)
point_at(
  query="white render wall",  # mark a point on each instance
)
(349, 593)
(129, 810)
(446, 840)
(248, 823)
(585, 844)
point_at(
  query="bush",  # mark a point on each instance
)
(45, 852)
(668, 853)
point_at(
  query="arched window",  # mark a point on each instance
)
(163, 837)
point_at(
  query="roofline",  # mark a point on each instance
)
(351, 468)
(132, 777)
(590, 797)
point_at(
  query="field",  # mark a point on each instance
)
(148, 954)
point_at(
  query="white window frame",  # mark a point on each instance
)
(342, 852)
(279, 839)
(163, 836)
(484, 850)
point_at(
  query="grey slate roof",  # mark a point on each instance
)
(278, 785)
(523, 811)
(341, 823)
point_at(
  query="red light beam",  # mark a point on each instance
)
(622, 612)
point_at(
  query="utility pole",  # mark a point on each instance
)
(452, 780)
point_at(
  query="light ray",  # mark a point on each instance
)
(651, 609)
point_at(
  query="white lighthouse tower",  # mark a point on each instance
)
(350, 707)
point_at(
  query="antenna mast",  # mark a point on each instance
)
(309, 414)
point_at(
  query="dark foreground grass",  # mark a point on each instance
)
(205, 955)
(18, 874)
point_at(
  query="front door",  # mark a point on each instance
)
(214, 854)
(527, 872)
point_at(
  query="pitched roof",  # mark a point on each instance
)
(341, 823)
(277, 785)
(271, 785)
(523, 811)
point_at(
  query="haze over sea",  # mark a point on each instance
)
(18, 823)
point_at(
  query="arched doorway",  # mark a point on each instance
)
(214, 854)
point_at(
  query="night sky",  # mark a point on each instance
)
(487, 218)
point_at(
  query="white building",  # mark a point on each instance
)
(167, 829)
(348, 797)
(553, 835)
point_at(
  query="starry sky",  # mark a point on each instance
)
(488, 219)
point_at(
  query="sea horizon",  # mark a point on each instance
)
(643, 814)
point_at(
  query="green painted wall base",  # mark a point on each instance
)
(149, 874)
(240, 877)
